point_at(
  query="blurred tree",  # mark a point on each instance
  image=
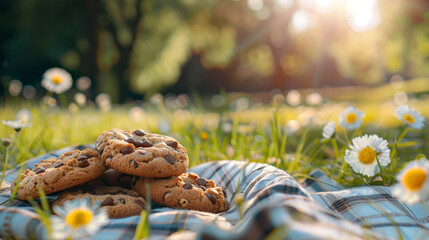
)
(134, 47)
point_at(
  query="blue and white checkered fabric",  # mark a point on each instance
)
(276, 206)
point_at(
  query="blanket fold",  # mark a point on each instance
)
(274, 205)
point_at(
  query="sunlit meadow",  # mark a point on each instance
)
(305, 85)
(280, 128)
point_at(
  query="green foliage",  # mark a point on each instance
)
(258, 133)
(131, 47)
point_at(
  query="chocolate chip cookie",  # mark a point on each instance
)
(53, 175)
(119, 202)
(142, 154)
(188, 191)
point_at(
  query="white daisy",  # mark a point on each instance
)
(57, 80)
(351, 118)
(410, 116)
(363, 153)
(76, 219)
(328, 130)
(25, 116)
(16, 124)
(413, 182)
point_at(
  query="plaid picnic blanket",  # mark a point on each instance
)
(275, 206)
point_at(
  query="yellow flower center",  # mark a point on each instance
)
(351, 117)
(367, 155)
(57, 80)
(204, 136)
(409, 119)
(414, 178)
(79, 217)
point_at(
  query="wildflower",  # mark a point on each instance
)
(292, 126)
(314, 98)
(239, 200)
(329, 130)
(6, 142)
(410, 116)
(23, 119)
(204, 136)
(16, 124)
(77, 219)
(49, 101)
(104, 101)
(365, 152)
(25, 116)
(80, 99)
(136, 114)
(351, 118)
(57, 80)
(29, 92)
(227, 127)
(293, 98)
(413, 182)
(83, 83)
(15, 87)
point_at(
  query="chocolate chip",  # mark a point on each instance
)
(140, 203)
(82, 157)
(187, 186)
(172, 144)
(83, 164)
(57, 164)
(101, 151)
(138, 143)
(169, 159)
(130, 140)
(108, 202)
(126, 150)
(139, 132)
(134, 164)
(202, 182)
(212, 198)
(121, 200)
(202, 187)
(224, 193)
(109, 157)
(146, 143)
(41, 170)
(165, 194)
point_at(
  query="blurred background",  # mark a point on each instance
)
(132, 49)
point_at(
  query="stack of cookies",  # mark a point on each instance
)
(162, 162)
(119, 171)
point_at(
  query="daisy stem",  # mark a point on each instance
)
(63, 99)
(4, 164)
(335, 146)
(21, 170)
(340, 140)
(342, 170)
(403, 134)
(20, 147)
(347, 138)
(381, 169)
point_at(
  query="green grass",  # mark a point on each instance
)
(259, 133)
(274, 133)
